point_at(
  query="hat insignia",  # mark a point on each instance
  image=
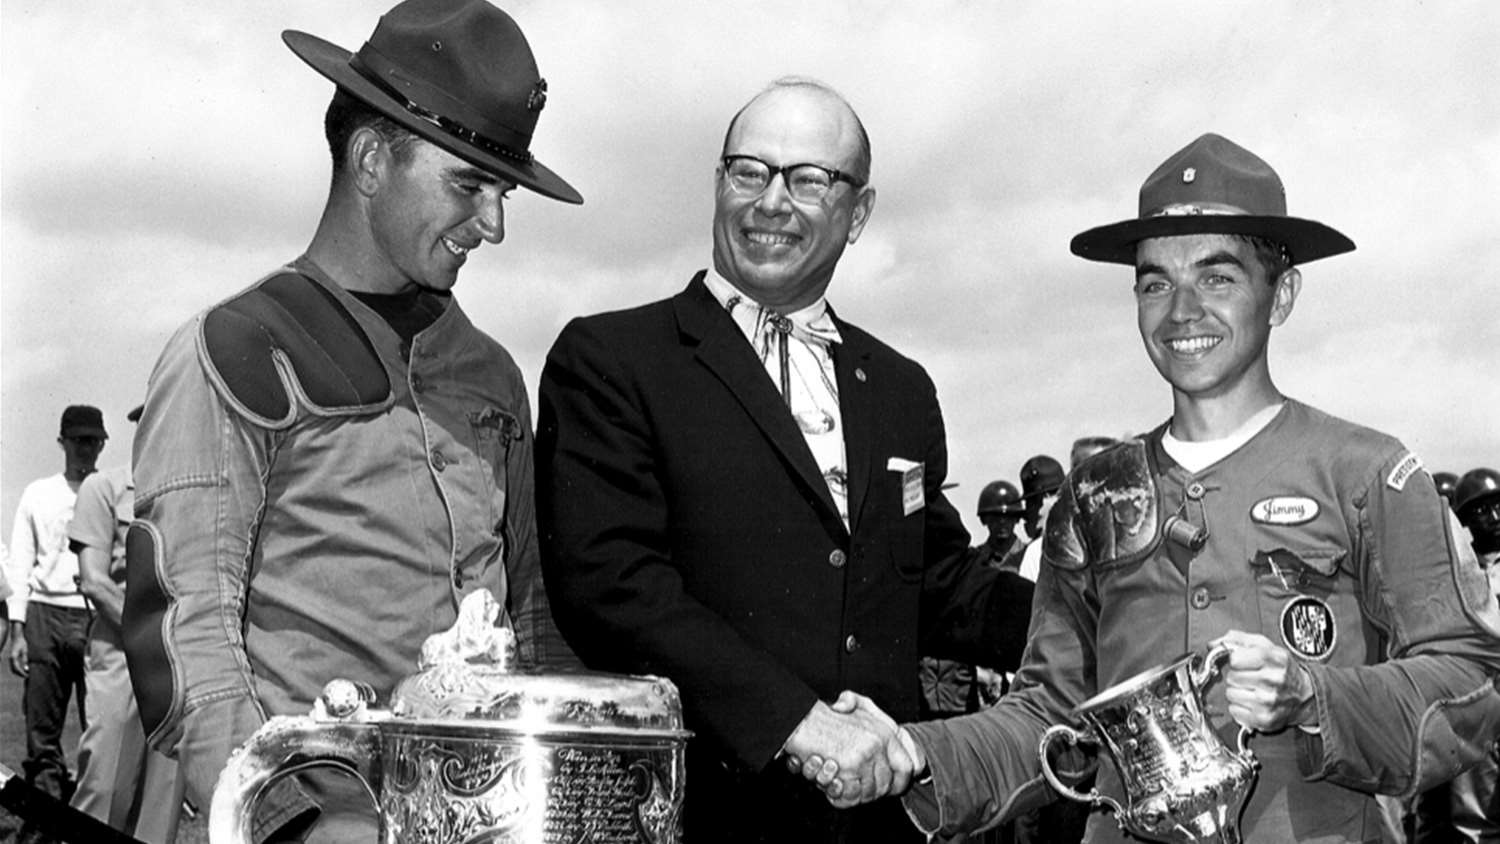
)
(1189, 175)
(538, 96)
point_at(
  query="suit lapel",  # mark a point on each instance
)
(722, 349)
(851, 364)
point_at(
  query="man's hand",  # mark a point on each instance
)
(18, 656)
(845, 750)
(1266, 687)
(897, 753)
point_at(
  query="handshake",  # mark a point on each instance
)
(853, 751)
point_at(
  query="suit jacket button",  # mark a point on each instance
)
(439, 462)
(1200, 598)
(837, 558)
(851, 644)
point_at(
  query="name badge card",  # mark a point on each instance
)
(913, 496)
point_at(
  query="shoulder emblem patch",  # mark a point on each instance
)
(1284, 510)
(1403, 471)
(1307, 627)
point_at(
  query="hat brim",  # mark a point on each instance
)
(332, 61)
(84, 431)
(1306, 240)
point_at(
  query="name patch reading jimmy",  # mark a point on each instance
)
(1284, 510)
(1307, 627)
(1404, 470)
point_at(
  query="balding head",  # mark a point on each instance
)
(858, 165)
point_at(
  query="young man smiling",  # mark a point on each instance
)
(331, 460)
(1362, 642)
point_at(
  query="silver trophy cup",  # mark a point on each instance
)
(1181, 782)
(471, 752)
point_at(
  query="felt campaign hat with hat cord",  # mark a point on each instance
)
(459, 74)
(1212, 186)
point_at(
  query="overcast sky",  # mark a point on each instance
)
(158, 157)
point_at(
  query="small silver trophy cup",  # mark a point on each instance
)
(1181, 782)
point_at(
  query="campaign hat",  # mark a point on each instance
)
(458, 73)
(1212, 186)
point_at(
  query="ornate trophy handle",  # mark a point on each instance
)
(1205, 670)
(1073, 737)
(1207, 667)
(286, 745)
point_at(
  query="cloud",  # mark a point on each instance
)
(167, 158)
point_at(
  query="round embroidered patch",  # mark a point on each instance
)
(1307, 627)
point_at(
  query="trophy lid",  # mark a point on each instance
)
(464, 677)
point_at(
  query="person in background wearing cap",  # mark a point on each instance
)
(1362, 644)
(742, 492)
(1468, 808)
(1445, 483)
(1000, 510)
(332, 459)
(951, 687)
(120, 781)
(1476, 501)
(49, 617)
(1041, 477)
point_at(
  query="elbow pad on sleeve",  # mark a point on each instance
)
(153, 674)
(1109, 510)
(287, 340)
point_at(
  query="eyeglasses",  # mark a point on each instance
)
(805, 182)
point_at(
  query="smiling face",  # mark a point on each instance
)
(1205, 307)
(774, 249)
(427, 210)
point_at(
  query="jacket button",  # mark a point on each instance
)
(837, 558)
(458, 579)
(851, 644)
(1200, 598)
(1195, 491)
(439, 462)
(417, 383)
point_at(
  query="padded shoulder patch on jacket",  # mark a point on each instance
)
(1108, 512)
(287, 327)
(146, 635)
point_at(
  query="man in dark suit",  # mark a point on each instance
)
(742, 492)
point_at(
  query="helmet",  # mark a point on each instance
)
(1041, 475)
(1000, 498)
(1445, 482)
(1475, 486)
